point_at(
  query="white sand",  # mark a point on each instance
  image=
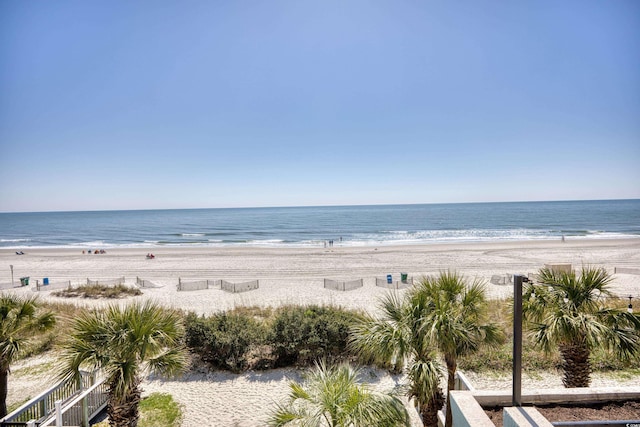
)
(294, 276)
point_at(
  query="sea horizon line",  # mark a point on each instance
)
(325, 206)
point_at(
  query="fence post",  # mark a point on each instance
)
(31, 423)
(179, 284)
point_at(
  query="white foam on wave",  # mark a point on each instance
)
(14, 240)
(389, 238)
(192, 234)
(265, 242)
(87, 244)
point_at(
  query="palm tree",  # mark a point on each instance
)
(569, 314)
(125, 343)
(454, 319)
(19, 319)
(396, 338)
(333, 397)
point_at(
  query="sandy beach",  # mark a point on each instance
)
(295, 276)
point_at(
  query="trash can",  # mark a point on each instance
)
(45, 281)
(24, 281)
(389, 279)
(403, 277)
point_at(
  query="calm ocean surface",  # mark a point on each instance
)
(311, 226)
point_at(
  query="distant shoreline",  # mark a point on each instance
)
(568, 241)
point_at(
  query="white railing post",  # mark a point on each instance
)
(31, 423)
(85, 402)
(58, 413)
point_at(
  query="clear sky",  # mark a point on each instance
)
(186, 104)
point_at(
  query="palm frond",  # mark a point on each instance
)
(19, 320)
(333, 396)
(125, 342)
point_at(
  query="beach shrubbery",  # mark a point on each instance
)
(263, 338)
(301, 335)
(98, 291)
(225, 339)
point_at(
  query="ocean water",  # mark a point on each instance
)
(312, 226)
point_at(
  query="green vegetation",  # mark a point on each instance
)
(569, 315)
(20, 319)
(454, 318)
(156, 410)
(301, 335)
(260, 339)
(397, 339)
(224, 340)
(333, 397)
(159, 410)
(260, 355)
(441, 316)
(98, 291)
(125, 343)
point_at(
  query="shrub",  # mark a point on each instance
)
(301, 334)
(224, 340)
(98, 291)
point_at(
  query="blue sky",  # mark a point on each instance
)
(167, 104)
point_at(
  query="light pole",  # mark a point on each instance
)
(517, 339)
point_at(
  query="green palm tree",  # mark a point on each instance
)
(454, 319)
(19, 320)
(125, 343)
(569, 314)
(333, 397)
(397, 338)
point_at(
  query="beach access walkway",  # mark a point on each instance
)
(68, 403)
